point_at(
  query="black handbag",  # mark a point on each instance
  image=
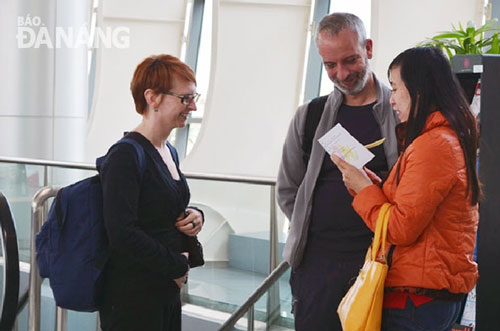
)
(195, 251)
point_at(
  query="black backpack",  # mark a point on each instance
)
(71, 247)
(314, 112)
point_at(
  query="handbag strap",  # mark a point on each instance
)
(380, 231)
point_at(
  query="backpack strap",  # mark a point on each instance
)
(173, 151)
(141, 156)
(314, 112)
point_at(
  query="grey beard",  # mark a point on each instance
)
(361, 84)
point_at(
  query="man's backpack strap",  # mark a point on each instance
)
(314, 112)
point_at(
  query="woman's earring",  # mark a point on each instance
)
(155, 109)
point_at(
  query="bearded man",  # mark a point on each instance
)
(327, 241)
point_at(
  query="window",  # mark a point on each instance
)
(197, 54)
(94, 5)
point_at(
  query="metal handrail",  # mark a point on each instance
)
(268, 181)
(48, 163)
(256, 295)
(46, 192)
(37, 214)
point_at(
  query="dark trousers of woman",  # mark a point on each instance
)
(133, 315)
(318, 285)
(136, 301)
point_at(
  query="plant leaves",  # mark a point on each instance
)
(467, 41)
(495, 46)
(450, 34)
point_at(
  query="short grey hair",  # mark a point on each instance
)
(333, 24)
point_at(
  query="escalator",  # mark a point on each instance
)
(11, 301)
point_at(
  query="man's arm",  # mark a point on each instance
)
(292, 168)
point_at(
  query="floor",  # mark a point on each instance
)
(224, 289)
(214, 292)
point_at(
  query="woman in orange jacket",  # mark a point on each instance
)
(433, 190)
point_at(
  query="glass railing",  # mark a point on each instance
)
(20, 179)
(241, 239)
(265, 308)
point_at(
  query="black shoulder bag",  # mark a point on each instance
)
(194, 248)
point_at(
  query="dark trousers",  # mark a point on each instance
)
(318, 285)
(437, 315)
(137, 315)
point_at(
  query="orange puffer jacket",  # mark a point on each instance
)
(431, 222)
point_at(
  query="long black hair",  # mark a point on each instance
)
(432, 86)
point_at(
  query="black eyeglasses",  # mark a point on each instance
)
(186, 99)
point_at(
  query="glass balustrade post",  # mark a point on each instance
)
(250, 319)
(273, 232)
(98, 322)
(37, 214)
(273, 295)
(35, 280)
(61, 319)
(45, 176)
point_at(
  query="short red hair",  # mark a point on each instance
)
(157, 72)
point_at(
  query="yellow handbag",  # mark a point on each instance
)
(361, 307)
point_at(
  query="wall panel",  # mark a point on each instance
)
(400, 24)
(155, 27)
(255, 89)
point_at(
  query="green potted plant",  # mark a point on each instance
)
(465, 48)
(468, 40)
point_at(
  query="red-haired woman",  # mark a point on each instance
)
(146, 215)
